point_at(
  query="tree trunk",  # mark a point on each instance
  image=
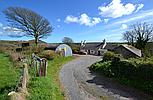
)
(36, 40)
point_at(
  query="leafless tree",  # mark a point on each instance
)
(130, 37)
(31, 23)
(139, 34)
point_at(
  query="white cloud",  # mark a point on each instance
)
(96, 21)
(136, 17)
(83, 19)
(71, 19)
(11, 29)
(140, 6)
(124, 26)
(13, 32)
(117, 9)
(106, 20)
(58, 20)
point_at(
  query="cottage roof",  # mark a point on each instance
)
(91, 46)
(110, 46)
(97, 45)
(132, 49)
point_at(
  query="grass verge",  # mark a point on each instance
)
(48, 88)
(8, 76)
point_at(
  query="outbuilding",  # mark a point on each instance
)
(128, 51)
(64, 50)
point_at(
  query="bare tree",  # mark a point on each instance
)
(139, 34)
(31, 23)
(67, 40)
(130, 37)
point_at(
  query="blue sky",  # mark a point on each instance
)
(91, 20)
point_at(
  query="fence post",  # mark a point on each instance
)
(44, 66)
(25, 79)
(22, 91)
(40, 65)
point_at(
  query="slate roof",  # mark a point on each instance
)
(92, 46)
(132, 49)
(111, 46)
(97, 45)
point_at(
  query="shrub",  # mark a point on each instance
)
(104, 67)
(75, 48)
(123, 68)
(145, 71)
(108, 56)
(37, 49)
(111, 56)
(48, 54)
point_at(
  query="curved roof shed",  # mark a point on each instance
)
(67, 51)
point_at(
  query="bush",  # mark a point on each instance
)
(134, 72)
(111, 56)
(48, 54)
(75, 48)
(104, 67)
(123, 68)
(145, 71)
(37, 49)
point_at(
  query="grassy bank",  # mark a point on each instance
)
(48, 88)
(8, 76)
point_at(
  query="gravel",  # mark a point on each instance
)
(81, 84)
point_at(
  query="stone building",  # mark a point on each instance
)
(98, 48)
(128, 51)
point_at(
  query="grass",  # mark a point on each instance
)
(8, 76)
(48, 88)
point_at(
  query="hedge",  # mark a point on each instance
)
(137, 72)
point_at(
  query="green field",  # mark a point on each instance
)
(48, 88)
(8, 76)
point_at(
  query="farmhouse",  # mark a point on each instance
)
(97, 48)
(100, 48)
